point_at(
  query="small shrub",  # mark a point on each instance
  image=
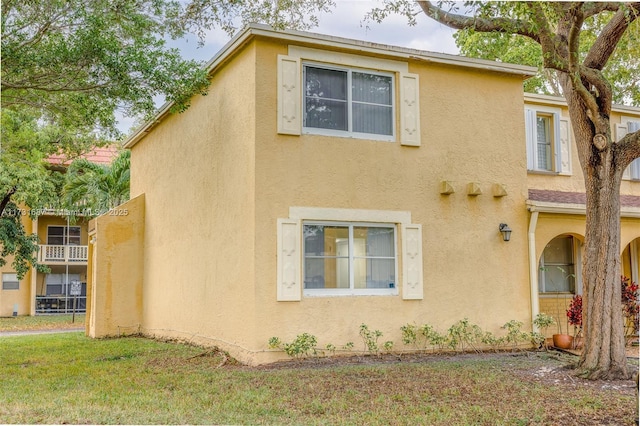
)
(489, 339)
(514, 334)
(303, 345)
(370, 339)
(463, 334)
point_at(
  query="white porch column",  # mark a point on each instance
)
(533, 266)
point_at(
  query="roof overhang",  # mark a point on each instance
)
(326, 41)
(574, 209)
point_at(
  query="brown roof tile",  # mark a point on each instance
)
(575, 197)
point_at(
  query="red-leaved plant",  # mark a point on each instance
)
(630, 306)
(574, 313)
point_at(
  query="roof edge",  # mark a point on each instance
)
(576, 209)
(293, 36)
(561, 101)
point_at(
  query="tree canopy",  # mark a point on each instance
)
(69, 65)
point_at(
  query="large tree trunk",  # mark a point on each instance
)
(603, 355)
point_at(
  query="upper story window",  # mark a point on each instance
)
(63, 235)
(365, 97)
(348, 102)
(349, 258)
(548, 142)
(629, 125)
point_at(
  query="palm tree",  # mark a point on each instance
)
(97, 187)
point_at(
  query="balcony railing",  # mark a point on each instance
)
(63, 254)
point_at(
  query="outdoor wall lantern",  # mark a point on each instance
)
(506, 231)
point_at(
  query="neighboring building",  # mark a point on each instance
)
(324, 183)
(63, 248)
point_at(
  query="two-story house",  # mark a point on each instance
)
(63, 249)
(326, 183)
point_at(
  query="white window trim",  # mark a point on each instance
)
(289, 253)
(330, 292)
(561, 144)
(350, 133)
(406, 100)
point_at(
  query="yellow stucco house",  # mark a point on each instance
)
(324, 183)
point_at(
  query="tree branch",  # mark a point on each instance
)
(628, 148)
(7, 198)
(608, 39)
(459, 22)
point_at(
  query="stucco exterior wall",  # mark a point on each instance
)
(217, 179)
(197, 170)
(23, 296)
(472, 125)
(114, 296)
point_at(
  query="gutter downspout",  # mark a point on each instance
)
(533, 267)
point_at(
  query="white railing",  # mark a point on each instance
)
(60, 304)
(63, 254)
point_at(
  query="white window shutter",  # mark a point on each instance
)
(412, 287)
(565, 148)
(530, 131)
(289, 95)
(409, 110)
(557, 144)
(288, 262)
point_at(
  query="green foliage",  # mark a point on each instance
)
(543, 321)
(370, 339)
(302, 346)
(422, 337)
(77, 61)
(506, 44)
(489, 339)
(463, 335)
(198, 16)
(97, 187)
(515, 335)
(14, 241)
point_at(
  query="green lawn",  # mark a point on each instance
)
(68, 378)
(41, 322)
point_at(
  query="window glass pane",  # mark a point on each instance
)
(543, 131)
(557, 266)
(322, 240)
(55, 235)
(325, 99)
(74, 235)
(378, 241)
(371, 88)
(374, 119)
(374, 273)
(559, 279)
(559, 251)
(326, 114)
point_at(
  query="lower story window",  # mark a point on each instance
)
(557, 268)
(10, 282)
(349, 258)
